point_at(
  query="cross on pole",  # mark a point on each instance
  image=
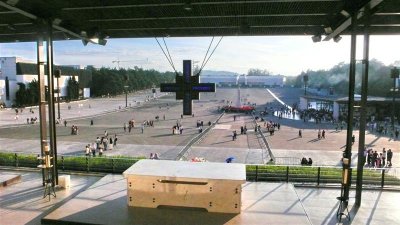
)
(187, 87)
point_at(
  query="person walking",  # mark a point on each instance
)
(300, 134)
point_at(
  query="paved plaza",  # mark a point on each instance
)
(217, 145)
(263, 203)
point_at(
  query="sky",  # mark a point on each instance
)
(285, 55)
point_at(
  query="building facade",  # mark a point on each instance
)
(14, 70)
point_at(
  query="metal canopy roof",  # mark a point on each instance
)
(182, 18)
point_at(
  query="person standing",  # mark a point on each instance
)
(383, 157)
(300, 134)
(389, 157)
(115, 141)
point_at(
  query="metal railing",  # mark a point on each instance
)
(185, 149)
(373, 177)
(272, 157)
(310, 175)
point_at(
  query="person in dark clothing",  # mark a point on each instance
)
(300, 134)
(389, 157)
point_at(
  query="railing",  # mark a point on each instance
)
(272, 157)
(319, 176)
(183, 152)
(71, 163)
(374, 177)
(287, 161)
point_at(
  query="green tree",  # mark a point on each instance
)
(72, 89)
(21, 95)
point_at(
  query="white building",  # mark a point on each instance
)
(243, 80)
(14, 70)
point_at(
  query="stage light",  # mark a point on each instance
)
(328, 30)
(345, 13)
(187, 6)
(85, 42)
(337, 39)
(316, 38)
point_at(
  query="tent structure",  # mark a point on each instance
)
(95, 21)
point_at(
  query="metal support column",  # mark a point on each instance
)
(51, 106)
(364, 94)
(350, 109)
(42, 98)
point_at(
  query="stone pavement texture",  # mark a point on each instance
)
(215, 146)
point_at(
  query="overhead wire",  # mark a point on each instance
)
(169, 60)
(216, 46)
(209, 46)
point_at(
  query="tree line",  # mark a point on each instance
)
(104, 81)
(379, 81)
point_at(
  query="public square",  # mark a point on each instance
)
(110, 114)
(90, 196)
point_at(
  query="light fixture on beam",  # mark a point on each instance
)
(316, 38)
(328, 30)
(337, 38)
(85, 42)
(345, 13)
(57, 21)
(187, 6)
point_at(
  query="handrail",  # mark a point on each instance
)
(194, 140)
(271, 155)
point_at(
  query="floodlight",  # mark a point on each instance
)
(337, 39)
(328, 30)
(187, 6)
(345, 13)
(85, 42)
(316, 38)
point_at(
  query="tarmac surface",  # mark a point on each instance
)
(217, 145)
(264, 203)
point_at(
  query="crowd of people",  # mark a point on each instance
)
(373, 159)
(101, 144)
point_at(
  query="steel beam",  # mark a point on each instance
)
(51, 108)
(350, 109)
(359, 14)
(42, 97)
(361, 140)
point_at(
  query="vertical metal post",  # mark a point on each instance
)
(394, 102)
(42, 98)
(361, 139)
(50, 100)
(58, 98)
(319, 176)
(287, 174)
(350, 110)
(256, 172)
(383, 178)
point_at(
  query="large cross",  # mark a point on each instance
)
(187, 87)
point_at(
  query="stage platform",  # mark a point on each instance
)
(105, 202)
(7, 179)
